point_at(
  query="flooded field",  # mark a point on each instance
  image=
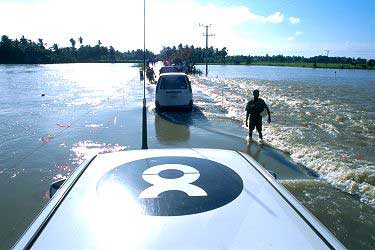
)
(320, 143)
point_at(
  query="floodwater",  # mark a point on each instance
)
(325, 121)
(320, 142)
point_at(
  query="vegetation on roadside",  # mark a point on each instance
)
(312, 62)
(26, 51)
(197, 55)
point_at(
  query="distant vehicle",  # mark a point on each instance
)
(173, 90)
(169, 69)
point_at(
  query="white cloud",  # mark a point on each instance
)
(295, 35)
(277, 17)
(294, 20)
(120, 22)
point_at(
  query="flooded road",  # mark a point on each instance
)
(96, 108)
(324, 120)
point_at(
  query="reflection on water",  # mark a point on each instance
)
(350, 220)
(83, 150)
(44, 137)
(170, 133)
(277, 162)
(94, 125)
(173, 127)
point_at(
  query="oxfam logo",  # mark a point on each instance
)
(173, 186)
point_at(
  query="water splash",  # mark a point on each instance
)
(93, 125)
(326, 132)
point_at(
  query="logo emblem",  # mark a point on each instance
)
(161, 184)
(174, 186)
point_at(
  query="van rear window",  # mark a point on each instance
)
(173, 82)
(168, 70)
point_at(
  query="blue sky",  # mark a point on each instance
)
(340, 26)
(299, 27)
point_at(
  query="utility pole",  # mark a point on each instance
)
(206, 35)
(327, 51)
(144, 111)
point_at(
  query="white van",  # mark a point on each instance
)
(168, 69)
(173, 91)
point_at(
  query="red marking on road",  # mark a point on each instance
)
(345, 158)
(47, 138)
(357, 157)
(46, 196)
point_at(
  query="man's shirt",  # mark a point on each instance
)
(255, 108)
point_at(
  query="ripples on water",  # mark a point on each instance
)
(322, 121)
(44, 108)
(325, 123)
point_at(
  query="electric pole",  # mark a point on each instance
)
(327, 51)
(144, 111)
(206, 35)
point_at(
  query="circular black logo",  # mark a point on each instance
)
(172, 186)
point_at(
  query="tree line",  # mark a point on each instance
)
(214, 55)
(24, 50)
(190, 54)
(359, 62)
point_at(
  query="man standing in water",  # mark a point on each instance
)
(254, 108)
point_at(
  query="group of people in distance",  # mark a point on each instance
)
(150, 74)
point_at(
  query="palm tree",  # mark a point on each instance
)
(55, 47)
(73, 42)
(80, 40)
(40, 42)
(23, 41)
(112, 53)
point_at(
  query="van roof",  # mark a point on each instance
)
(224, 199)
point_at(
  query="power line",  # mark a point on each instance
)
(206, 35)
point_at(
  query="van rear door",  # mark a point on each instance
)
(176, 89)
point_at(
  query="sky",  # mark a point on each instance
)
(255, 27)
